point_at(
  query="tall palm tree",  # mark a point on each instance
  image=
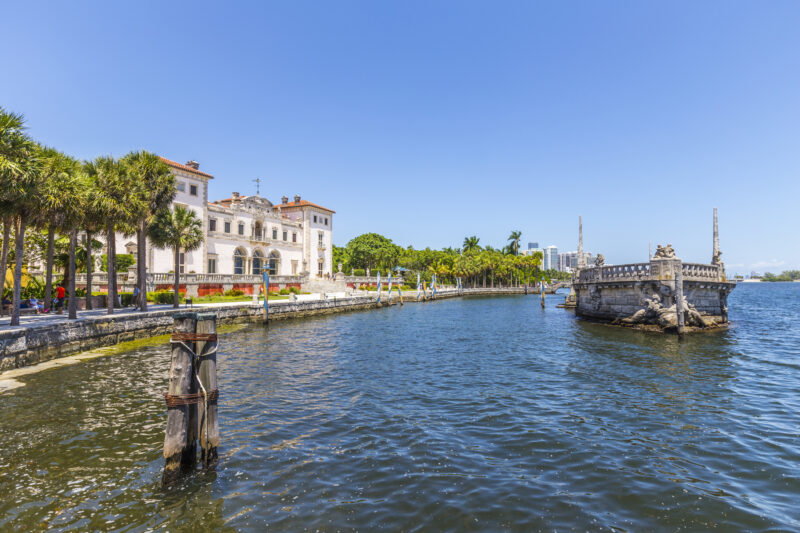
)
(116, 204)
(19, 179)
(513, 244)
(179, 229)
(156, 191)
(470, 243)
(57, 197)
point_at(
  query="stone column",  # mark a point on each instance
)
(580, 243)
(715, 254)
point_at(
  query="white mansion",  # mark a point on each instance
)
(245, 234)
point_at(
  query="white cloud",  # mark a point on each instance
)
(774, 263)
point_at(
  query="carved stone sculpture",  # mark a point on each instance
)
(717, 259)
(654, 312)
(664, 252)
(600, 260)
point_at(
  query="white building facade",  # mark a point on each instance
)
(245, 234)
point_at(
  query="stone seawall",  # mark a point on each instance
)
(30, 345)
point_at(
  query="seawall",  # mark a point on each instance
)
(34, 344)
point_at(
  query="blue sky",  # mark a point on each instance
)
(430, 121)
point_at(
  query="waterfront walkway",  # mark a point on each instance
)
(48, 319)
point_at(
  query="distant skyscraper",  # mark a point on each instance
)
(533, 245)
(550, 259)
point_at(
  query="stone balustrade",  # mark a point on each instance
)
(649, 271)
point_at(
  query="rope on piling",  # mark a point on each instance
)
(191, 337)
(178, 400)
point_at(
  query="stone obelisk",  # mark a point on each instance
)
(581, 262)
(715, 255)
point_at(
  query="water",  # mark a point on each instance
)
(476, 414)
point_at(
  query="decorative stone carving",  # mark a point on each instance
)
(664, 252)
(717, 259)
(340, 267)
(600, 260)
(655, 312)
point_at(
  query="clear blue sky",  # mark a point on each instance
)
(429, 121)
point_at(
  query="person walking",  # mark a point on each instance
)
(59, 301)
(137, 305)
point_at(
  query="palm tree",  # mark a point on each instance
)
(57, 196)
(470, 243)
(116, 203)
(180, 229)
(513, 244)
(156, 191)
(19, 179)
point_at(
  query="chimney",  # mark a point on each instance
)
(297, 198)
(284, 199)
(235, 195)
(194, 164)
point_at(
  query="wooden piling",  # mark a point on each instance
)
(179, 446)
(208, 425)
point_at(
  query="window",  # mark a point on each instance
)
(320, 265)
(212, 224)
(212, 266)
(285, 235)
(258, 262)
(227, 226)
(294, 267)
(274, 234)
(241, 228)
(181, 262)
(326, 221)
(181, 186)
(193, 190)
(294, 237)
(274, 262)
(320, 242)
(239, 260)
(315, 218)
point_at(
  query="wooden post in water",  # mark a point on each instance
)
(679, 297)
(179, 448)
(208, 426)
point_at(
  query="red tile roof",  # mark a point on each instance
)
(302, 203)
(187, 168)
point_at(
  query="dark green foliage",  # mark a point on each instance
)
(124, 261)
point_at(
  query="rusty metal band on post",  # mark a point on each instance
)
(191, 337)
(177, 400)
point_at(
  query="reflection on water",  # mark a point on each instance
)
(479, 414)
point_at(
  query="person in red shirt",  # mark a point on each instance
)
(59, 301)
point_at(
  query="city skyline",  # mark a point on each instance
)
(514, 118)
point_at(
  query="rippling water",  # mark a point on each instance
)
(474, 414)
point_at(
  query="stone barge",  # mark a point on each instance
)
(645, 294)
(664, 294)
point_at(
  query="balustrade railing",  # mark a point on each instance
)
(101, 278)
(641, 271)
(701, 271)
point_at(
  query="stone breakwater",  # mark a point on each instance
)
(26, 346)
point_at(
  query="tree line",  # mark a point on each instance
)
(476, 265)
(786, 275)
(47, 194)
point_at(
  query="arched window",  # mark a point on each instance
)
(258, 262)
(239, 261)
(274, 262)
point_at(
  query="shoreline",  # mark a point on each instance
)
(35, 344)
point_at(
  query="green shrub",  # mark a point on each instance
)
(162, 297)
(294, 290)
(273, 293)
(359, 272)
(124, 261)
(127, 298)
(234, 292)
(283, 292)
